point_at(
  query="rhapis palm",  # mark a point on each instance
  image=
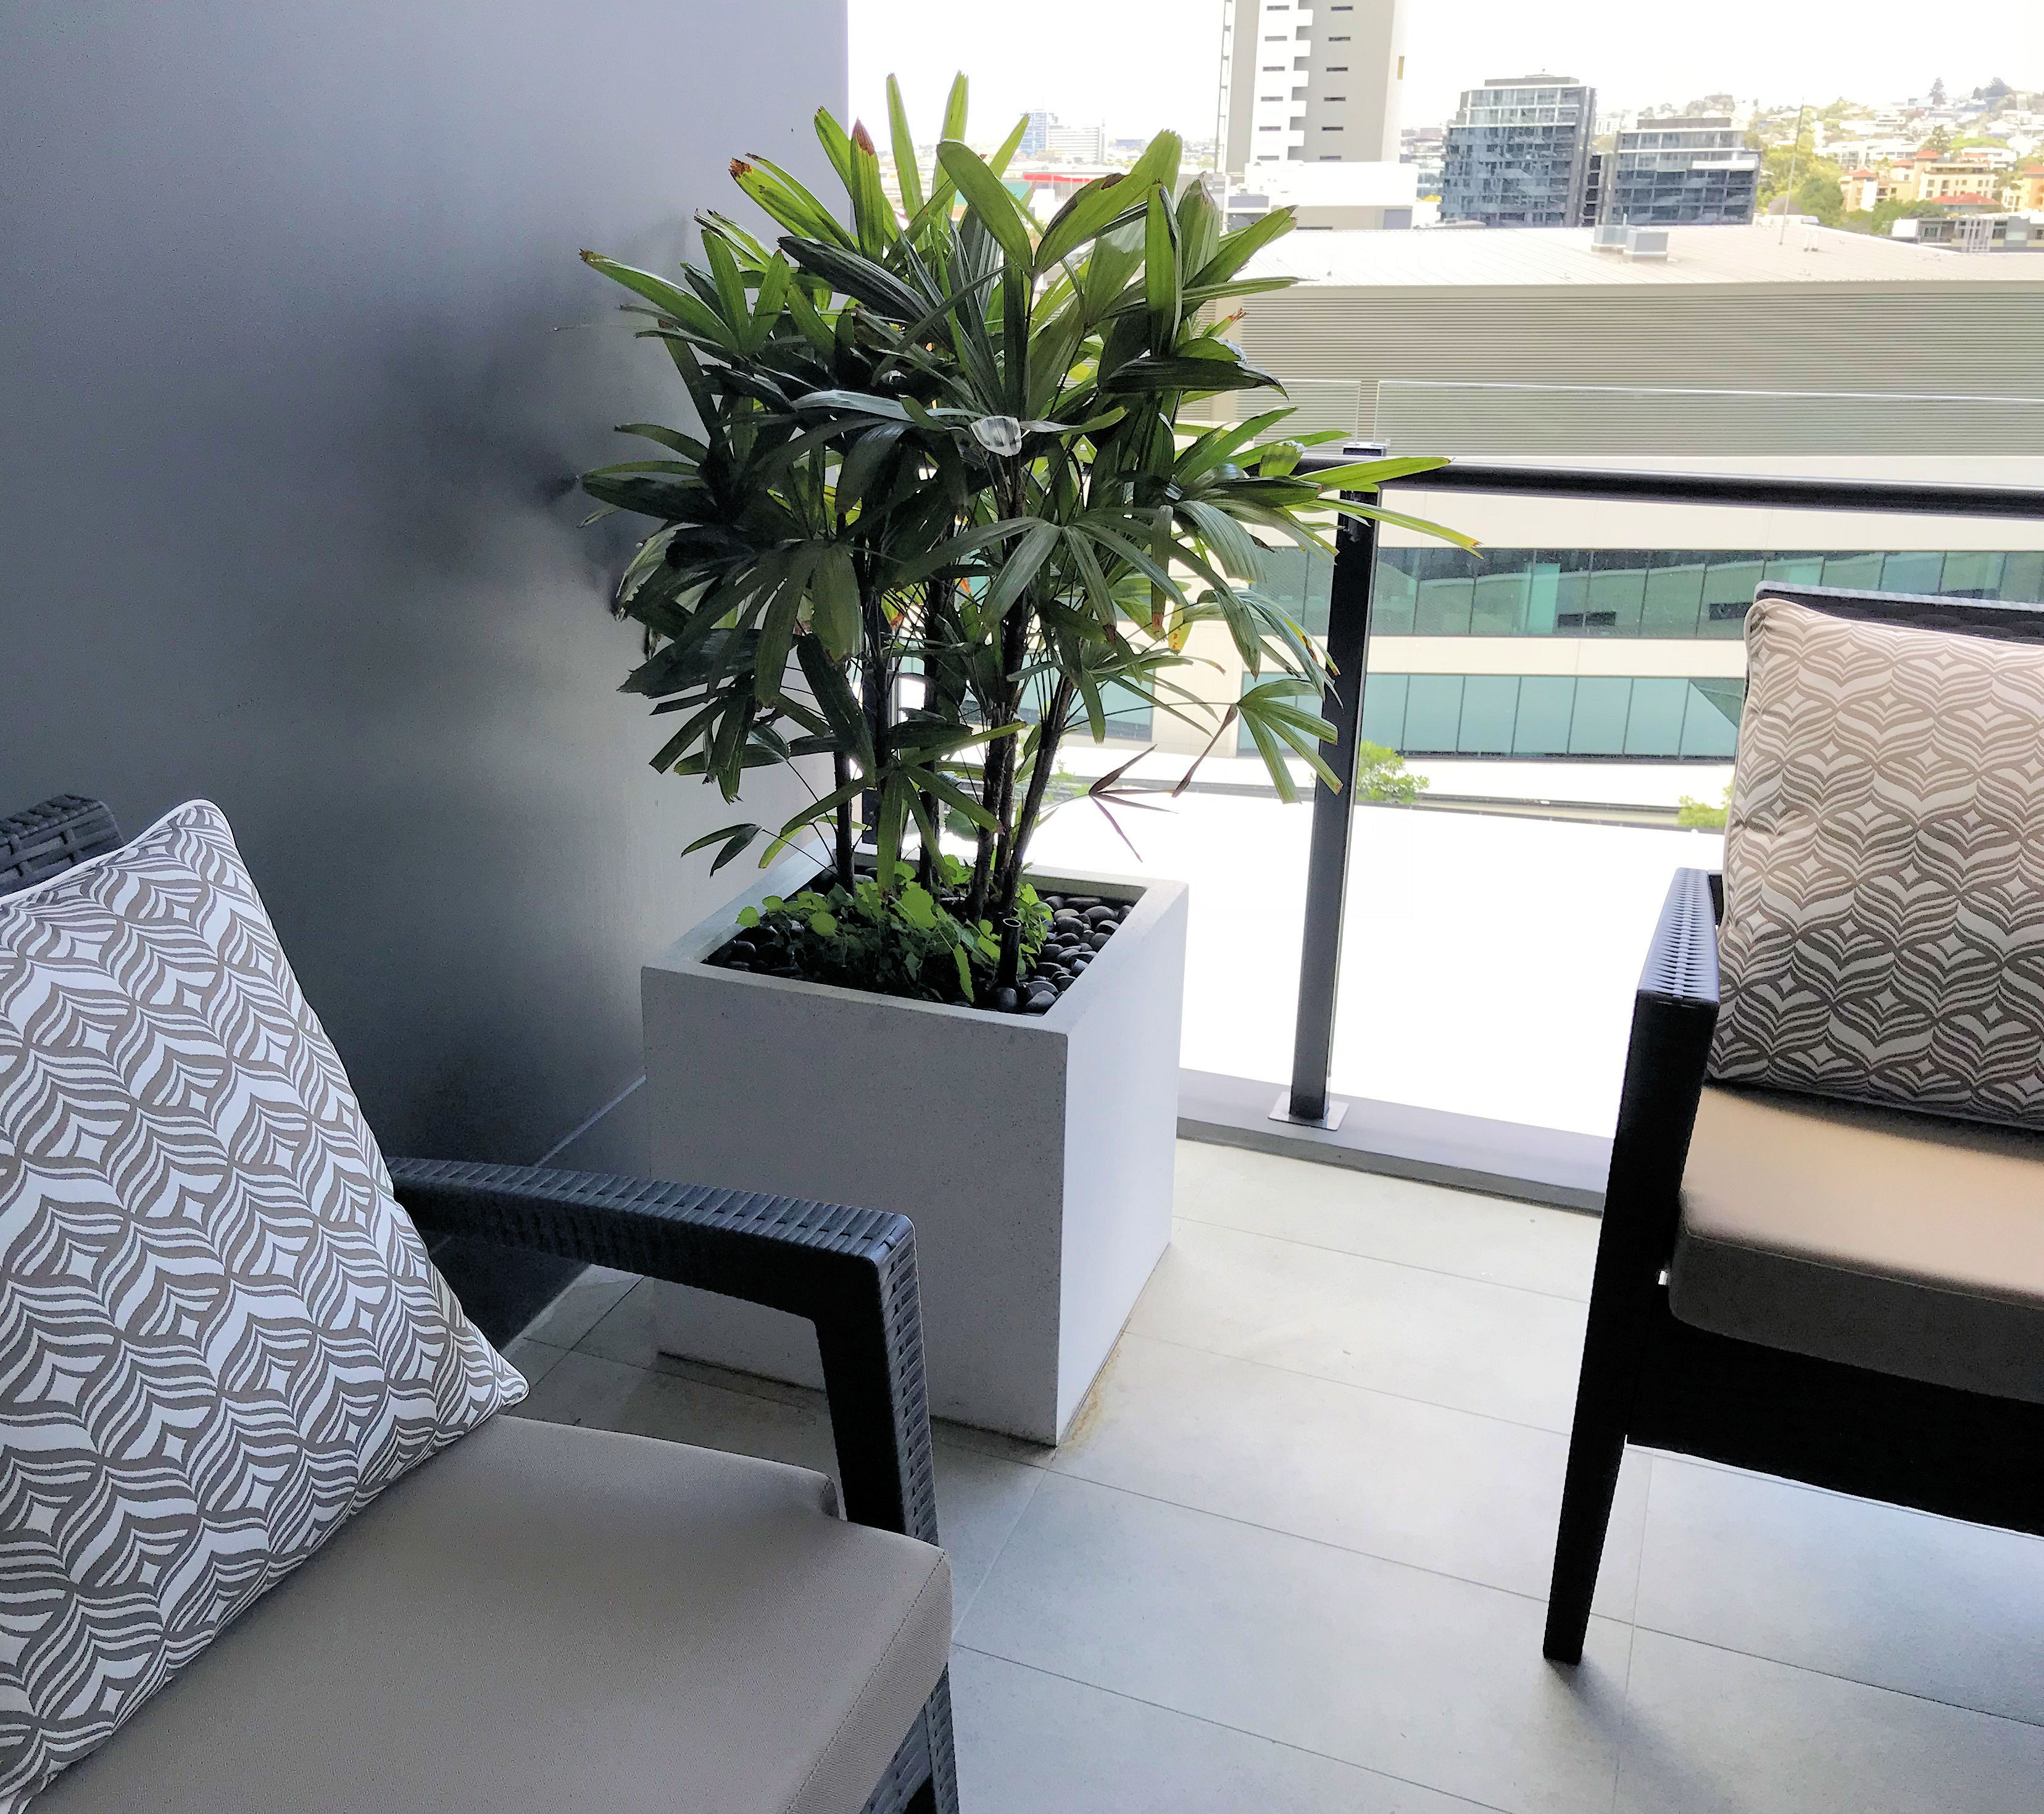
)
(940, 448)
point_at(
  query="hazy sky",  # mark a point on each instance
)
(1141, 65)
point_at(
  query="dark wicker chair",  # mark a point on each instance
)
(1651, 1378)
(850, 1272)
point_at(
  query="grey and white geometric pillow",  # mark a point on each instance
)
(1883, 873)
(220, 1336)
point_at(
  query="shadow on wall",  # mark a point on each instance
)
(300, 363)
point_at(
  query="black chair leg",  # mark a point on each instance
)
(1595, 1449)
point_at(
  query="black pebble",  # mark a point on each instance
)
(1100, 915)
(1041, 1001)
(1099, 938)
(1082, 902)
(1005, 1001)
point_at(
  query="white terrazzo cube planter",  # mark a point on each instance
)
(1033, 1152)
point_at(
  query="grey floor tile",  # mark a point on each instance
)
(979, 1497)
(587, 1300)
(630, 1331)
(1444, 1489)
(1388, 1218)
(1710, 1731)
(587, 1389)
(1926, 1606)
(1478, 1347)
(1033, 1743)
(1428, 1679)
(535, 1360)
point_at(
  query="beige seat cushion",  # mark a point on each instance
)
(1886, 1240)
(552, 1617)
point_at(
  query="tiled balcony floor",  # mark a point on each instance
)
(1293, 1558)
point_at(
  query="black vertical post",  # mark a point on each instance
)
(1350, 597)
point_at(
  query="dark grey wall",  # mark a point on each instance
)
(295, 353)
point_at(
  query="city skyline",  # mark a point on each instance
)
(1139, 66)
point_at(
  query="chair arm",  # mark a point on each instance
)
(63, 830)
(1674, 1014)
(850, 1272)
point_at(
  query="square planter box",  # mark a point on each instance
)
(1033, 1152)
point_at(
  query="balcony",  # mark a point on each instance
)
(1294, 1550)
(1295, 1555)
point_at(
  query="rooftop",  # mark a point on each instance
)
(1551, 257)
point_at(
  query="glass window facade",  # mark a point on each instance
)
(1551, 715)
(1682, 593)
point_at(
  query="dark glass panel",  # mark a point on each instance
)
(1618, 589)
(1858, 573)
(1490, 706)
(1654, 726)
(2022, 577)
(1383, 711)
(1710, 720)
(1391, 613)
(1729, 580)
(1433, 713)
(1971, 576)
(1796, 570)
(1448, 586)
(1912, 573)
(1543, 580)
(1500, 593)
(1598, 728)
(1546, 704)
(1674, 594)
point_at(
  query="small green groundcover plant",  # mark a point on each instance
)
(935, 508)
(908, 941)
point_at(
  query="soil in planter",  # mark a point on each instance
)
(1080, 925)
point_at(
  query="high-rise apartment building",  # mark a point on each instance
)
(1680, 172)
(1518, 152)
(1304, 81)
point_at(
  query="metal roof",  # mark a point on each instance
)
(1560, 257)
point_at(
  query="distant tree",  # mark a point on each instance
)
(1818, 181)
(1823, 196)
(1937, 91)
(1939, 140)
(1882, 217)
(1380, 775)
(1693, 814)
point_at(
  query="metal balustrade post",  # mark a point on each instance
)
(1351, 595)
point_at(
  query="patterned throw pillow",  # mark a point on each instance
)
(220, 1336)
(1883, 874)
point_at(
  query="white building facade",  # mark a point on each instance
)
(1310, 83)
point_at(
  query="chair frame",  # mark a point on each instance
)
(1650, 1379)
(850, 1272)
